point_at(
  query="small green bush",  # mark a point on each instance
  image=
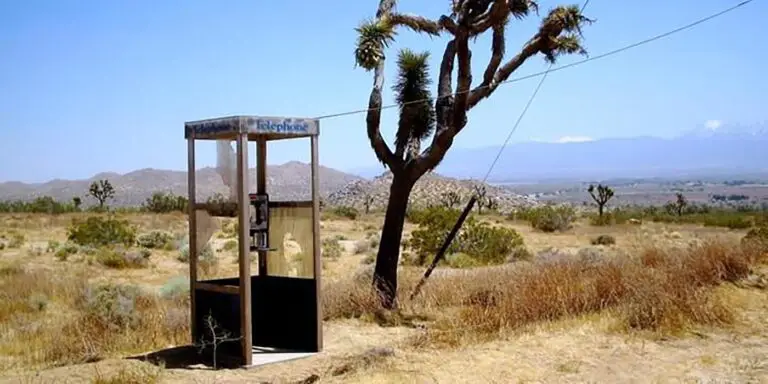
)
(603, 240)
(165, 202)
(345, 212)
(728, 221)
(548, 218)
(98, 231)
(17, 240)
(52, 246)
(461, 260)
(110, 305)
(155, 240)
(230, 245)
(66, 250)
(176, 288)
(484, 243)
(331, 248)
(757, 238)
(206, 254)
(119, 259)
(488, 244)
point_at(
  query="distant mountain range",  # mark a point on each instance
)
(721, 151)
(289, 181)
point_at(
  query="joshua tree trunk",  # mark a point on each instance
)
(391, 236)
(600, 210)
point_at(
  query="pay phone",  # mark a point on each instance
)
(259, 222)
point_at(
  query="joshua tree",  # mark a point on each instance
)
(680, 203)
(102, 191)
(451, 199)
(604, 193)
(368, 201)
(480, 193)
(444, 117)
(77, 202)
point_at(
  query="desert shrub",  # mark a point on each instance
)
(176, 288)
(218, 205)
(617, 216)
(66, 250)
(99, 231)
(16, 240)
(331, 248)
(434, 224)
(229, 245)
(165, 202)
(43, 204)
(111, 306)
(488, 244)
(603, 240)
(345, 212)
(369, 258)
(462, 260)
(548, 218)
(52, 246)
(728, 221)
(205, 260)
(118, 258)
(156, 240)
(485, 243)
(361, 246)
(757, 239)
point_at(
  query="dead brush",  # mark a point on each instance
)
(660, 290)
(71, 328)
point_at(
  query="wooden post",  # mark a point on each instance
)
(261, 187)
(316, 250)
(244, 258)
(191, 189)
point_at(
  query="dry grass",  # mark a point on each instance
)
(50, 319)
(667, 291)
(51, 306)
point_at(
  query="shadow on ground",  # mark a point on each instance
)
(189, 357)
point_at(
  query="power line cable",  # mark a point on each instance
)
(576, 63)
(522, 114)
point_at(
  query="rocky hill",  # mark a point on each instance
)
(289, 181)
(428, 190)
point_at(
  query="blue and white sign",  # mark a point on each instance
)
(211, 127)
(281, 125)
(273, 126)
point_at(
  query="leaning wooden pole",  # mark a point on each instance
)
(444, 248)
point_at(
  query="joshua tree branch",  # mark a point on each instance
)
(373, 119)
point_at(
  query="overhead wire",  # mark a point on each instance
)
(522, 114)
(574, 64)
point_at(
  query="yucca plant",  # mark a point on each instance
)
(443, 117)
(373, 37)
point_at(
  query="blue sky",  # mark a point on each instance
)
(91, 86)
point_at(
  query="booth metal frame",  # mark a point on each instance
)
(262, 290)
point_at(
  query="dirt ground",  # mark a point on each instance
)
(575, 350)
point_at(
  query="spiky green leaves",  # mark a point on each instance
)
(563, 45)
(417, 115)
(373, 37)
(560, 32)
(522, 8)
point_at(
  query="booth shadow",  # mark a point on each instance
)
(190, 357)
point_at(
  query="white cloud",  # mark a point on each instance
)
(574, 139)
(712, 124)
